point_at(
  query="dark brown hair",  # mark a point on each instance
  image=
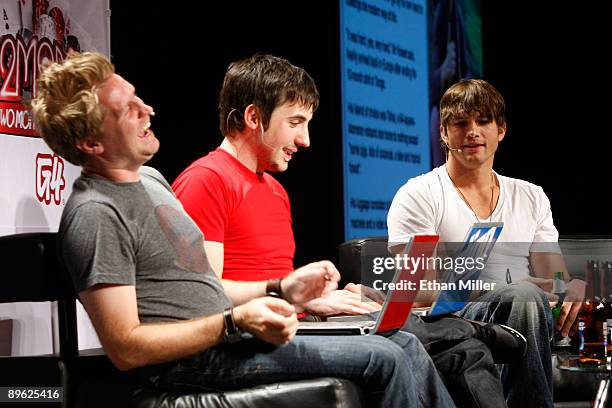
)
(267, 82)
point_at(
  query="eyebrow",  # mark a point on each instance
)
(478, 116)
(298, 117)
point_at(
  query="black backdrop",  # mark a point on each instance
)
(548, 62)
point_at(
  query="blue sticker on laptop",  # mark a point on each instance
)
(477, 247)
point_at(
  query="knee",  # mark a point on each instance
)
(386, 357)
(400, 347)
(525, 299)
(406, 341)
(528, 306)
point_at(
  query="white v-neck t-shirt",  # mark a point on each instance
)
(430, 204)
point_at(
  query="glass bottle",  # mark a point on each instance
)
(608, 312)
(559, 290)
(592, 330)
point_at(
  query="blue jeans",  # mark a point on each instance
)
(392, 372)
(524, 307)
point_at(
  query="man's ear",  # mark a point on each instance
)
(252, 118)
(501, 132)
(89, 145)
(443, 135)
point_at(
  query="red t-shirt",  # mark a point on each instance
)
(248, 213)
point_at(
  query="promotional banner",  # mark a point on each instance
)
(34, 182)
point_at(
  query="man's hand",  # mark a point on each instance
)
(574, 295)
(368, 292)
(340, 302)
(309, 282)
(269, 319)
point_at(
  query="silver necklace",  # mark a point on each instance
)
(468, 203)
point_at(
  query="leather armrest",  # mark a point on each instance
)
(316, 393)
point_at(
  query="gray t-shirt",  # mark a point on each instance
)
(138, 234)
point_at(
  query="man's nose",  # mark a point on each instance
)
(145, 109)
(303, 139)
(471, 127)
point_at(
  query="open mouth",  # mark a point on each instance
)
(288, 153)
(145, 131)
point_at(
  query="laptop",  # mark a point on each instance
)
(478, 243)
(398, 303)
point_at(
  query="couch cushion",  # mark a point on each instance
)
(102, 385)
(352, 258)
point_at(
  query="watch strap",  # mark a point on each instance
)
(232, 334)
(273, 288)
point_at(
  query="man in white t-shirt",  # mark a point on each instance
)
(450, 198)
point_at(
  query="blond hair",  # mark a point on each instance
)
(66, 107)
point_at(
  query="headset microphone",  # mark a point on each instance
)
(262, 138)
(451, 149)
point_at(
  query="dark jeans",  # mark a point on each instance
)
(464, 362)
(523, 306)
(392, 372)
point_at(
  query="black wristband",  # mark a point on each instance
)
(232, 334)
(578, 277)
(273, 288)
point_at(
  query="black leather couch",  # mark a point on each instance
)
(571, 390)
(89, 379)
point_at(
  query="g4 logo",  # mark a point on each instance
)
(50, 181)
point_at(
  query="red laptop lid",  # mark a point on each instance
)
(413, 266)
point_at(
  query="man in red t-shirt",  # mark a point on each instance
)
(242, 213)
(242, 210)
(265, 106)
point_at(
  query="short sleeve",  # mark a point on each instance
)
(154, 174)
(97, 247)
(204, 197)
(411, 213)
(546, 236)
